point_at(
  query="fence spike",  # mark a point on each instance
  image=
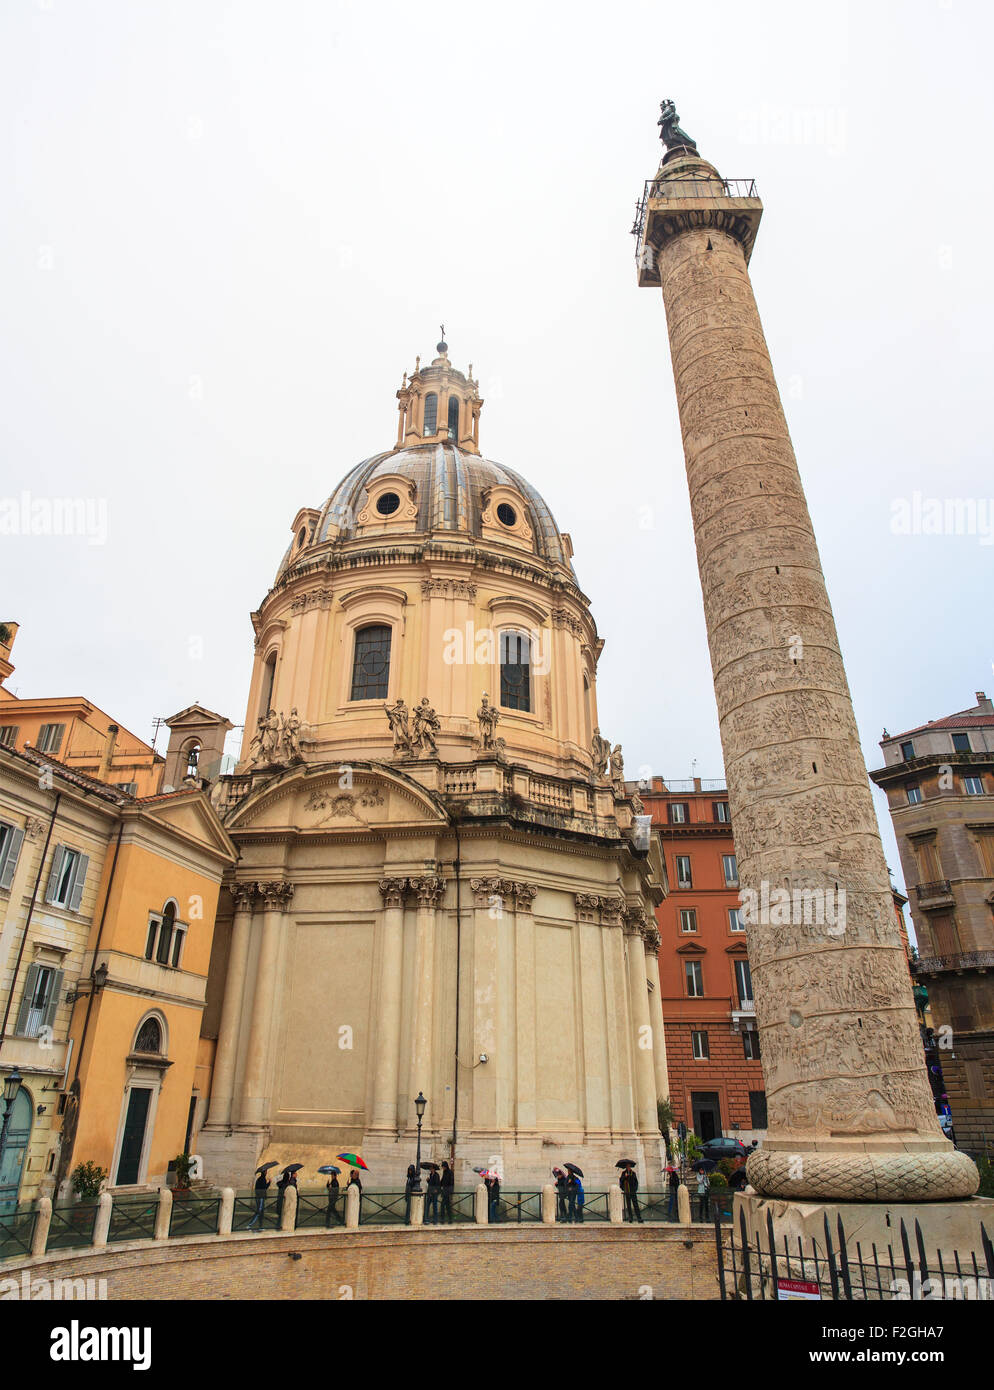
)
(908, 1263)
(746, 1264)
(830, 1256)
(844, 1259)
(771, 1241)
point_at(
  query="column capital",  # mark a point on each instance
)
(430, 890)
(612, 911)
(653, 940)
(635, 921)
(587, 906)
(393, 890)
(275, 894)
(524, 895)
(243, 895)
(486, 888)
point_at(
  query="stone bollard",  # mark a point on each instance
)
(42, 1222)
(227, 1213)
(163, 1214)
(352, 1206)
(615, 1205)
(288, 1216)
(683, 1205)
(417, 1209)
(481, 1209)
(549, 1204)
(105, 1209)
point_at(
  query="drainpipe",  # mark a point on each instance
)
(455, 1072)
(27, 924)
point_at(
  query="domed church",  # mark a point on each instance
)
(442, 887)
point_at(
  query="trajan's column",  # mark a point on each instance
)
(850, 1112)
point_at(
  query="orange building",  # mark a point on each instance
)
(75, 731)
(712, 1046)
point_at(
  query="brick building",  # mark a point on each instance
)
(939, 780)
(712, 1046)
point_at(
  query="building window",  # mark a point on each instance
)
(454, 418)
(11, 839)
(757, 1109)
(731, 870)
(914, 795)
(40, 1000)
(371, 663)
(750, 1045)
(130, 787)
(678, 813)
(694, 972)
(907, 751)
(743, 983)
(192, 760)
(699, 1045)
(722, 813)
(961, 743)
(973, 786)
(8, 735)
(164, 943)
(688, 919)
(149, 1037)
(268, 680)
(387, 503)
(50, 738)
(431, 413)
(66, 879)
(735, 922)
(683, 875)
(515, 671)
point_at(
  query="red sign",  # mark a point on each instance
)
(797, 1288)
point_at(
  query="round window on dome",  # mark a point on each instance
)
(506, 514)
(387, 504)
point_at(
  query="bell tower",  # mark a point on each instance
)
(438, 405)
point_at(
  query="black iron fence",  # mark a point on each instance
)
(688, 188)
(195, 1216)
(516, 1206)
(71, 1226)
(384, 1208)
(133, 1219)
(17, 1229)
(766, 1267)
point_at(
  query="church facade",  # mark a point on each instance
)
(442, 887)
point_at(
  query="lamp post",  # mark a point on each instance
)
(11, 1086)
(420, 1105)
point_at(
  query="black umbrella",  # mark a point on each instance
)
(704, 1165)
(429, 1166)
(266, 1166)
(625, 1163)
(572, 1168)
(293, 1168)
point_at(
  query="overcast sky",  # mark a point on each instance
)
(227, 229)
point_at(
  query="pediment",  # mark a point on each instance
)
(192, 816)
(196, 716)
(340, 798)
(691, 948)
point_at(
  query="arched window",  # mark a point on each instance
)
(371, 663)
(515, 670)
(268, 679)
(588, 727)
(431, 413)
(149, 1037)
(166, 927)
(192, 760)
(454, 418)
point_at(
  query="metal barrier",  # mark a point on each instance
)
(748, 1271)
(243, 1216)
(71, 1226)
(133, 1219)
(17, 1229)
(195, 1216)
(315, 1211)
(518, 1206)
(383, 1209)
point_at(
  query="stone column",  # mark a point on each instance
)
(526, 1060)
(642, 1040)
(429, 890)
(651, 942)
(42, 1223)
(622, 1091)
(597, 1105)
(276, 897)
(386, 1078)
(850, 1112)
(101, 1225)
(162, 1214)
(489, 905)
(223, 1078)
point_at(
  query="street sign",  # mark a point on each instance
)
(797, 1288)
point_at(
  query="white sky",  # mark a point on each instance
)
(226, 230)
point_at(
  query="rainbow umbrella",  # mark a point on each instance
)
(354, 1159)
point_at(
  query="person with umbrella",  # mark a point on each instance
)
(411, 1185)
(574, 1192)
(562, 1184)
(674, 1182)
(334, 1193)
(355, 1181)
(492, 1181)
(261, 1188)
(702, 1167)
(434, 1190)
(630, 1185)
(447, 1184)
(288, 1178)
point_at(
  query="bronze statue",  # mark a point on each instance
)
(669, 128)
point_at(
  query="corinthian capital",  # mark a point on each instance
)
(652, 939)
(587, 905)
(635, 921)
(243, 895)
(430, 890)
(393, 890)
(485, 889)
(612, 911)
(275, 894)
(524, 895)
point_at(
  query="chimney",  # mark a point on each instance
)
(984, 705)
(112, 733)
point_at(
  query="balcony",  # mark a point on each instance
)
(934, 894)
(744, 1017)
(683, 189)
(962, 960)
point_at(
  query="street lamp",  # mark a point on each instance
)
(420, 1105)
(11, 1086)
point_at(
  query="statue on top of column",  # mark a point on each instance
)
(669, 128)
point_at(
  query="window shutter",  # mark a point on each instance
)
(77, 884)
(55, 739)
(30, 985)
(53, 878)
(10, 862)
(54, 999)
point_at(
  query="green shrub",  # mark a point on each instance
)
(986, 1188)
(87, 1180)
(718, 1179)
(183, 1167)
